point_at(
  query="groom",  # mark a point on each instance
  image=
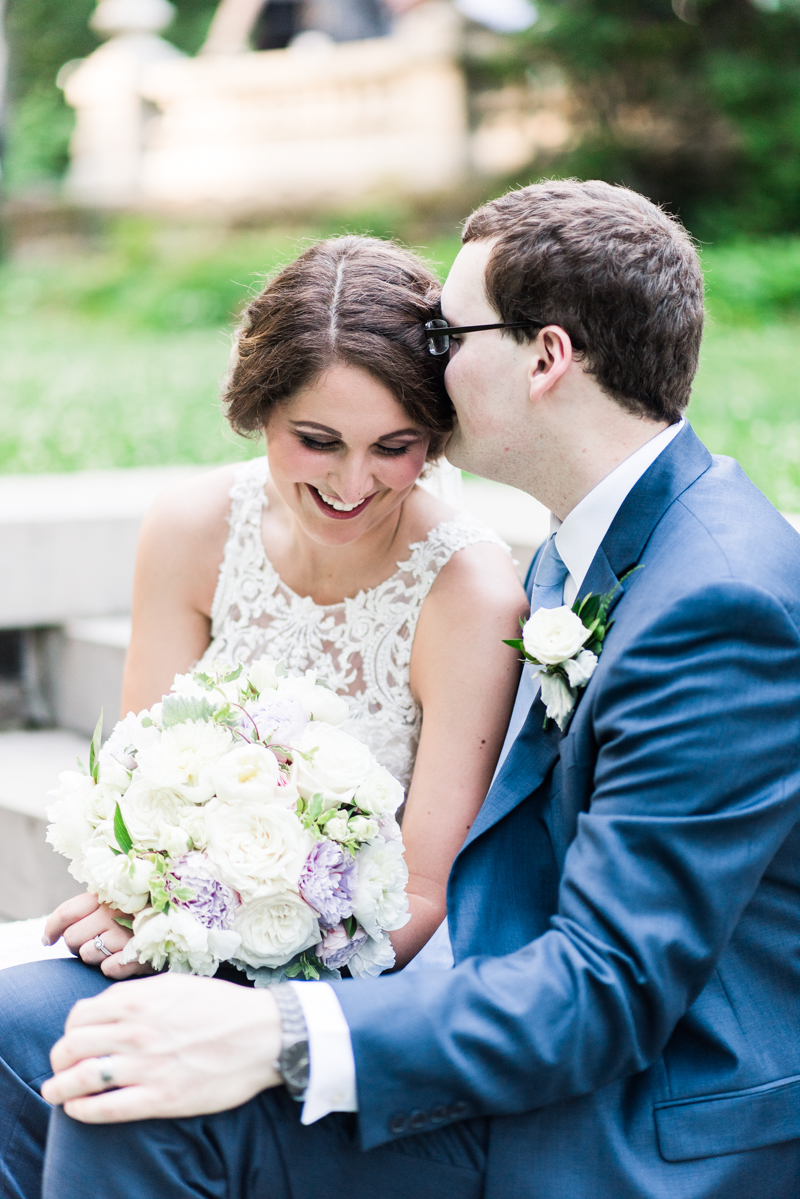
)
(623, 1021)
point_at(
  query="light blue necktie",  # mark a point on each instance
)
(548, 592)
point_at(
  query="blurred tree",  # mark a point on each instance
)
(43, 35)
(694, 102)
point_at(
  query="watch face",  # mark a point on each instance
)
(294, 1066)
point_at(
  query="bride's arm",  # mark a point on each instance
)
(465, 680)
(177, 563)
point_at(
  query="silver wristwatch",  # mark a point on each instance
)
(293, 1062)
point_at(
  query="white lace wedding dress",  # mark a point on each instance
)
(362, 646)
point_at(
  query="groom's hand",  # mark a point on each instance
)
(168, 1047)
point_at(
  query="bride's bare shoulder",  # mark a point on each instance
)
(186, 529)
(196, 506)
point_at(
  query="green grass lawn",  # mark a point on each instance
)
(113, 357)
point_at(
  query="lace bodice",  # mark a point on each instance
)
(362, 646)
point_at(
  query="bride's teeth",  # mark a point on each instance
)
(337, 504)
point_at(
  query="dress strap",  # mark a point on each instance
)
(244, 546)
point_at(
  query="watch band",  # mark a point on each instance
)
(293, 1062)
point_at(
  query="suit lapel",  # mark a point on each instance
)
(535, 750)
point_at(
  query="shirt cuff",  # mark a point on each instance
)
(332, 1067)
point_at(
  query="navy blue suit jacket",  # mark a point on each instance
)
(625, 913)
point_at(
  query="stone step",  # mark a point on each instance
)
(68, 541)
(33, 879)
(88, 663)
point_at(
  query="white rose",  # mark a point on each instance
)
(180, 939)
(117, 879)
(375, 956)
(337, 827)
(552, 635)
(337, 766)
(71, 829)
(246, 774)
(146, 808)
(194, 823)
(580, 670)
(102, 804)
(557, 698)
(265, 673)
(318, 700)
(276, 928)
(113, 774)
(256, 850)
(361, 828)
(130, 736)
(381, 900)
(183, 757)
(380, 793)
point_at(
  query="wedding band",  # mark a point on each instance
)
(99, 944)
(106, 1073)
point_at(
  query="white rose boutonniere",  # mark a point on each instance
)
(563, 646)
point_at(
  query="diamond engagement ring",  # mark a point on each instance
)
(106, 1073)
(100, 944)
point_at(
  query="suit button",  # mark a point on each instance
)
(459, 1109)
(397, 1125)
(440, 1114)
(417, 1120)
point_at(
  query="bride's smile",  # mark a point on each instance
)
(343, 457)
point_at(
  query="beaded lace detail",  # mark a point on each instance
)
(362, 646)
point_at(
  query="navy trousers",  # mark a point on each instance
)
(257, 1151)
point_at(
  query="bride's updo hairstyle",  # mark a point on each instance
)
(355, 301)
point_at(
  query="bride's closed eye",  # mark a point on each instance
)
(311, 443)
(385, 451)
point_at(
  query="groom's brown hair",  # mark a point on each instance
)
(620, 275)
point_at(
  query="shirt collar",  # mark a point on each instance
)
(580, 534)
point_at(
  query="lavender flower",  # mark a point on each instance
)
(336, 948)
(328, 882)
(280, 719)
(213, 903)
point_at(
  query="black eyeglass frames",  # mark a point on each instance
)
(439, 332)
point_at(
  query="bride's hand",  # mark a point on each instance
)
(83, 918)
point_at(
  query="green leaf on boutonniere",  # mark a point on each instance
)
(124, 839)
(515, 643)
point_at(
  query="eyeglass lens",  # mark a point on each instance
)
(438, 344)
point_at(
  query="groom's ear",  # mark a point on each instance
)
(551, 357)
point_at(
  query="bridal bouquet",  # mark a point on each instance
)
(234, 821)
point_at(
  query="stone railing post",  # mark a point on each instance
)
(105, 90)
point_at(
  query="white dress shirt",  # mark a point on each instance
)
(332, 1078)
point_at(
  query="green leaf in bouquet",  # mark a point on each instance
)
(232, 675)
(147, 723)
(81, 766)
(350, 925)
(315, 806)
(205, 679)
(94, 748)
(125, 921)
(124, 839)
(183, 894)
(177, 709)
(306, 964)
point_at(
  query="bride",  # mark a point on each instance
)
(328, 554)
